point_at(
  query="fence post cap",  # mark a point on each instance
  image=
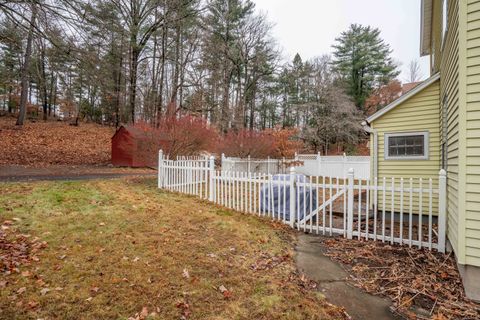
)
(351, 171)
(292, 170)
(442, 172)
(212, 157)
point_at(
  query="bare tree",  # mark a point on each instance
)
(414, 71)
(334, 117)
(25, 68)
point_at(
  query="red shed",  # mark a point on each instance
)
(134, 147)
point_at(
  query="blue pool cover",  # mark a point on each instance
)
(272, 197)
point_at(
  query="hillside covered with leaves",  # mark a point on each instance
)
(54, 143)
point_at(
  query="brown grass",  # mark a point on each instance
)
(122, 248)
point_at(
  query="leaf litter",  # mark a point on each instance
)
(421, 283)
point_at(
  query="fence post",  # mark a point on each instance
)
(248, 164)
(319, 164)
(268, 165)
(160, 168)
(442, 210)
(211, 171)
(351, 176)
(293, 197)
(344, 162)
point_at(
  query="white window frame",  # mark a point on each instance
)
(426, 139)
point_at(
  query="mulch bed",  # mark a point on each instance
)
(422, 284)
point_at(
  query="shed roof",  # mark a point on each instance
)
(139, 133)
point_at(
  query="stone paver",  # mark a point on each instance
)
(332, 281)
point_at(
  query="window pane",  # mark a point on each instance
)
(410, 141)
(418, 151)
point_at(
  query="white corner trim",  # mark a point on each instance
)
(426, 139)
(422, 17)
(425, 12)
(404, 97)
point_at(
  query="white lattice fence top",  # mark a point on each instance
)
(307, 156)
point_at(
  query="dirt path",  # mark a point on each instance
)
(21, 173)
(332, 281)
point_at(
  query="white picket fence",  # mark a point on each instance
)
(308, 164)
(403, 211)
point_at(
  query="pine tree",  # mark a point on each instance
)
(363, 61)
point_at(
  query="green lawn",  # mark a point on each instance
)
(122, 248)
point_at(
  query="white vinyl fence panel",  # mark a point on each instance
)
(307, 164)
(317, 165)
(352, 207)
(268, 166)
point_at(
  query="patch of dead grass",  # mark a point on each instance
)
(122, 248)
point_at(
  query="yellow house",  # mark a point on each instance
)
(437, 126)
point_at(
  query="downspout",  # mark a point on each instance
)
(369, 130)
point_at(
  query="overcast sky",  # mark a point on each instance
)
(310, 27)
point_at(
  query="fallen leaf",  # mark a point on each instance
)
(26, 274)
(44, 291)
(185, 274)
(21, 290)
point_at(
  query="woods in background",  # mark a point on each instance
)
(127, 61)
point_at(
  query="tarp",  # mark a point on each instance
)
(272, 197)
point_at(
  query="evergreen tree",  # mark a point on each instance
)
(362, 60)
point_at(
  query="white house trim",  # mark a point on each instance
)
(425, 27)
(404, 97)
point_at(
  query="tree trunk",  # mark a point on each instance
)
(171, 108)
(133, 81)
(44, 83)
(162, 73)
(25, 79)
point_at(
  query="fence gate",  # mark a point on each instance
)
(403, 211)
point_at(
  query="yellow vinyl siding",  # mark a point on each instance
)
(420, 113)
(472, 188)
(449, 93)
